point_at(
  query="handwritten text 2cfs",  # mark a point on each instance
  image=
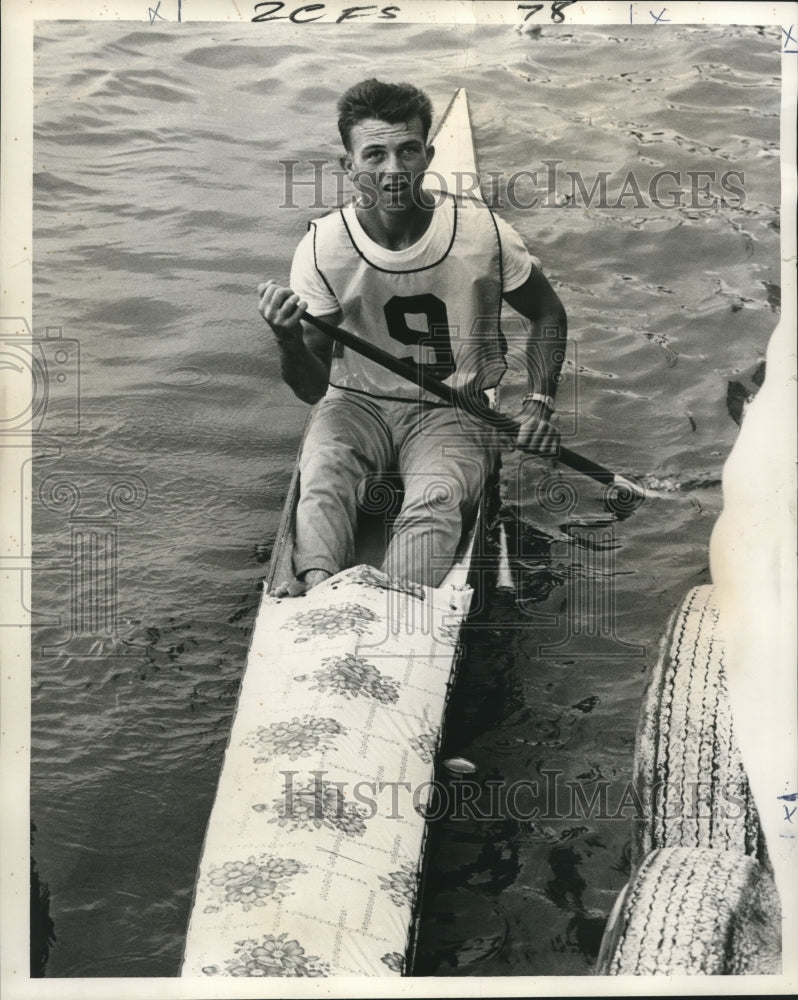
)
(277, 10)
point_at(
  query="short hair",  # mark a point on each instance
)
(391, 102)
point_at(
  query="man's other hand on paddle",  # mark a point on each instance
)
(282, 310)
(305, 354)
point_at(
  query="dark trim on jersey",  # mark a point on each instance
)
(312, 225)
(338, 349)
(500, 333)
(412, 270)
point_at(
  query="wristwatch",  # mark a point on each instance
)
(539, 397)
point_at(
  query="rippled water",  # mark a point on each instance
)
(157, 186)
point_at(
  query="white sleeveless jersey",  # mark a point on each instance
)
(443, 314)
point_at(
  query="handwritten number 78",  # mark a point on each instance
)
(556, 9)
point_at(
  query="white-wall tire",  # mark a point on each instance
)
(695, 911)
(688, 771)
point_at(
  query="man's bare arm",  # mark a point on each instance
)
(537, 301)
(305, 353)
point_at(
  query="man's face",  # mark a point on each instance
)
(386, 162)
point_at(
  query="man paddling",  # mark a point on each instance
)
(423, 278)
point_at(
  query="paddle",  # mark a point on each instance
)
(629, 495)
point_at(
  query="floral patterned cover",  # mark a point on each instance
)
(311, 858)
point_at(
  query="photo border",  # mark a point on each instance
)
(18, 19)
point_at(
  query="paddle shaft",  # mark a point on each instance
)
(471, 404)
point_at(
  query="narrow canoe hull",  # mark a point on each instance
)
(317, 832)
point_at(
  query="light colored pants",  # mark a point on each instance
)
(442, 456)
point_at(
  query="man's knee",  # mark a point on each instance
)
(435, 496)
(330, 460)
